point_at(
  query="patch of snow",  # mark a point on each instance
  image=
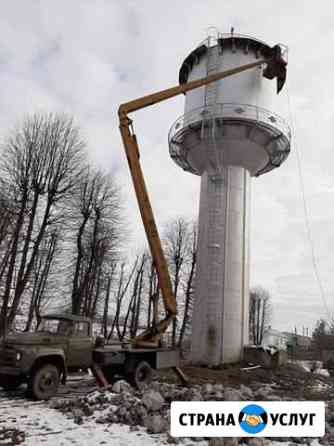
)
(108, 396)
(80, 377)
(320, 387)
(287, 443)
(308, 365)
(45, 426)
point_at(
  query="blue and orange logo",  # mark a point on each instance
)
(253, 419)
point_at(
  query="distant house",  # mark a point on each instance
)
(298, 342)
(275, 338)
(304, 342)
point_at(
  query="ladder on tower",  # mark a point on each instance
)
(211, 68)
(211, 90)
(210, 109)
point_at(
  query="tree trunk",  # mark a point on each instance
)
(27, 240)
(106, 307)
(188, 300)
(22, 284)
(12, 259)
(138, 306)
(76, 298)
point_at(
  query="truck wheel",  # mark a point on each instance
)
(9, 383)
(44, 382)
(142, 375)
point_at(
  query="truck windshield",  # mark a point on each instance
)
(56, 326)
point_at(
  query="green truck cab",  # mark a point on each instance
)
(42, 359)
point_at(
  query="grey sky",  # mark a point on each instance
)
(87, 56)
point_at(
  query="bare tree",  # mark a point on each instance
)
(176, 242)
(134, 306)
(189, 287)
(259, 313)
(179, 241)
(96, 224)
(136, 299)
(7, 214)
(323, 335)
(109, 275)
(42, 268)
(152, 292)
(124, 280)
(7, 218)
(40, 167)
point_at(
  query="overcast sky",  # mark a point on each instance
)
(85, 57)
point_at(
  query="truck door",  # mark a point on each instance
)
(80, 346)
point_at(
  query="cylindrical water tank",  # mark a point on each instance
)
(235, 113)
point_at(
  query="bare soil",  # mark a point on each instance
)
(289, 381)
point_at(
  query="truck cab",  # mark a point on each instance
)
(61, 343)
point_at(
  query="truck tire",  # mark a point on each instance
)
(9, 383)
(141, 375)
(44, 382)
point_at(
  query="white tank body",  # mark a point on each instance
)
(249, 87)
(227, 134)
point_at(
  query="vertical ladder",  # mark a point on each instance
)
(210, 100)
(210, 94)
(211, 68)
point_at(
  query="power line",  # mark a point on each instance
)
(306, 212)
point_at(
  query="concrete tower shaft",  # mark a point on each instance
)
(226, 135)
(220, 316)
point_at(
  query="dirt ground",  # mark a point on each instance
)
(291, 380)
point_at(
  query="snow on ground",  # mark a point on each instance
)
(45, 426)
(288, 443)
(309, 365)
(320, 387)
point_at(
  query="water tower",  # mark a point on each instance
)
(227, 134)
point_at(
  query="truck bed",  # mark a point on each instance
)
(118, 354)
